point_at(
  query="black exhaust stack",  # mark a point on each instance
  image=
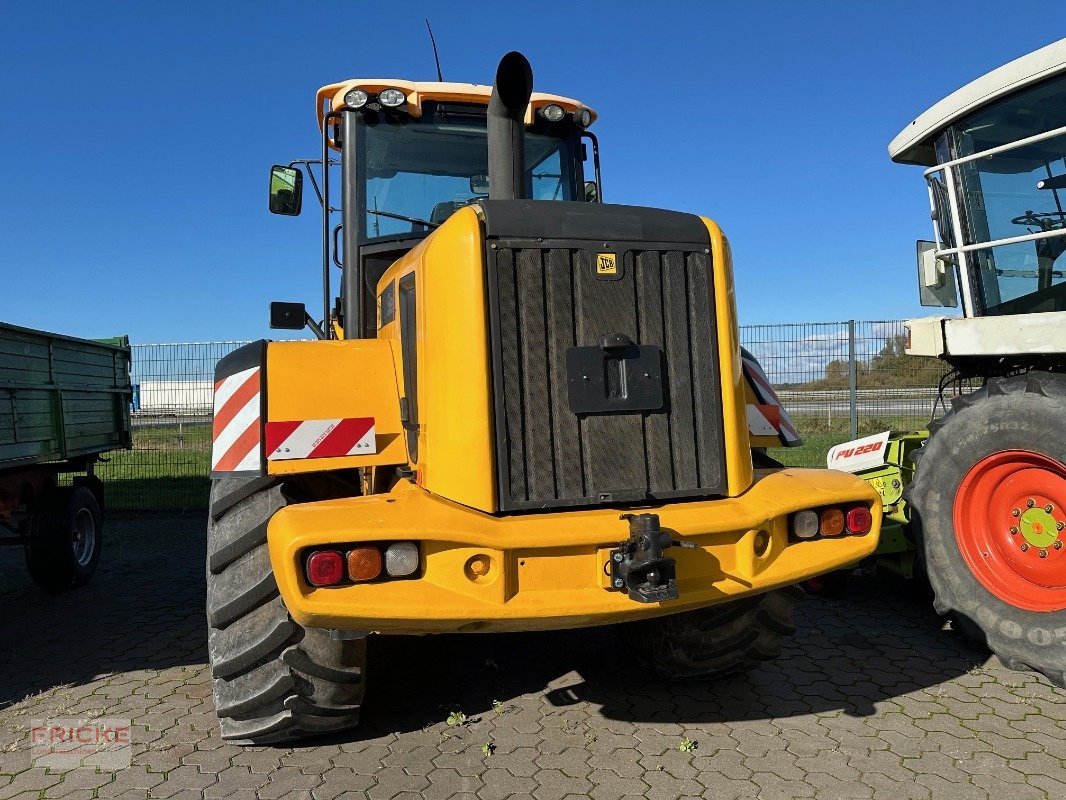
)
(506, 127)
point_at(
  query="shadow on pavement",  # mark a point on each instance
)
(144, 611)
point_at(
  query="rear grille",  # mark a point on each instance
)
(546, 299)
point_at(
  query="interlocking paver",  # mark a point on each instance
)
(870, 700)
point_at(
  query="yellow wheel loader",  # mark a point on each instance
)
(525, 409)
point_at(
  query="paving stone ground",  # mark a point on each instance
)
(871, 699)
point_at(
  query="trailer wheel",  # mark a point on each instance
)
(273, 679)
(64, 538)
(717, 641)
(988, 506)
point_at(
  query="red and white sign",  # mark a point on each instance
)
(761, 420)
(770, 406)
(235, 437)
(859, 454)
(321, 438)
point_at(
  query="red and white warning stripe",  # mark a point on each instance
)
(235, 432)
(321, 438)
(770, 405)
(763, 420)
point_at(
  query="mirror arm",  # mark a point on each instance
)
(316, 329)
(307, 162)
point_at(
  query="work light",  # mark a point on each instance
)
(583, 117)
(356, 98)
(392, 98)
(552, 113)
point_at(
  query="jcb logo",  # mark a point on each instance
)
(606, 264)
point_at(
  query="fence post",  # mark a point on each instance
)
(853, 388)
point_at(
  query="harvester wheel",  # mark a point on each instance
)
(988, 507)
(719, 640)
(65, 536)
(273, 680)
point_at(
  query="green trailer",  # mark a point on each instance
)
(64, 402)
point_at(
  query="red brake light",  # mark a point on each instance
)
(325, 568)
(859, 519)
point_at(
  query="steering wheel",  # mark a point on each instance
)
(1044, 220)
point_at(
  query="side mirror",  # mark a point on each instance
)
(479, 184)
(592, 192)
(288, 316)
(936, 278)
(293, 317)
(286, 190)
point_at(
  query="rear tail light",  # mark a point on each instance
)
(859, 520)
(805, 524)
(401, 559)
(361, 563)
(325, 568)
(364, 563)
(831, 522)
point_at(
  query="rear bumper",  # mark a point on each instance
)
(547, 570)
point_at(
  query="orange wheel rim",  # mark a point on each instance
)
(1010, 516)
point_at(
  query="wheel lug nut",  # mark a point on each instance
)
(1025, 546)
(1030, 503)
(1043, 553)
(1013, 530)
(1016, 512)
(1049, 508)
(1060, 525)
(1057, 545)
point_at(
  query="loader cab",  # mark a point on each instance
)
(408, 155)
(995, 153)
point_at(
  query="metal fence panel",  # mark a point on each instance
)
(169, 464)
(837, 379)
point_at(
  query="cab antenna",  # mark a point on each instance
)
(436, 57)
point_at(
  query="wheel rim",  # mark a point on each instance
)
(1010, 515)
(84, 536)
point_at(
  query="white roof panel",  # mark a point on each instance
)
(914, 144)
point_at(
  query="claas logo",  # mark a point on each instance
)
(606, 264)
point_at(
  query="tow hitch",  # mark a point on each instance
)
(640, 565)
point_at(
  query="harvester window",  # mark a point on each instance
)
(1018, 191)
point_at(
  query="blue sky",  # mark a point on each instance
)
(137, 139)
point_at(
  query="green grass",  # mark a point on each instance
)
(168, 468)
(819, 436)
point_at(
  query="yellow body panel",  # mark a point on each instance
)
(547, 570)
(336, 380)
(455, 440)
(734, 416)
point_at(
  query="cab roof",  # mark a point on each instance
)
(914, 144)
(419, 92)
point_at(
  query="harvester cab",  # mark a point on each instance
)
(527, 409)
(995, 159)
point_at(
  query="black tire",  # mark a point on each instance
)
(64, 538)
(1027, 412)
(830, 585)
(96, 486)
(273, 680)
(717, 641)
